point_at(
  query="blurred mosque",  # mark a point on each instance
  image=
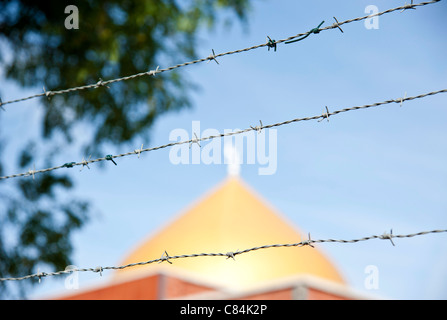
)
(230, 217)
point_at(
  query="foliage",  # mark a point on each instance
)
(114, 39)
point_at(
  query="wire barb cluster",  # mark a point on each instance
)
(270, 44)
(197, 140)
(166, 257)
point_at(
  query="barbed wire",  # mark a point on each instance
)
(165, 257)
(270, 44)
(324, 115)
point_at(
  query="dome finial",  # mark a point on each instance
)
(232, 159)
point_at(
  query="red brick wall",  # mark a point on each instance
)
(148, 288)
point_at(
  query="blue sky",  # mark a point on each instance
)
(362, 173)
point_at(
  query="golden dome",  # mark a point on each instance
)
(228, 219)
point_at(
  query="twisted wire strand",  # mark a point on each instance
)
(196, 140)
(101, 83)
(167, 258)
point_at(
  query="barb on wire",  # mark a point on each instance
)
(100, 83)
(336, 24)
(197, 140)
(258, 128)
(154, 72)
(231, 254)
(97, 270)
(110, 158)
(388, 236)
(271, 43)
(48, 94)
(40, 275)
(138, 151)
(409, 6)
(402, 99)
(314, 30)
(31, 172)
(215, 56)
(308, 242)
(325, 115)
(85, 163)
(166, 257)
(69, 165)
